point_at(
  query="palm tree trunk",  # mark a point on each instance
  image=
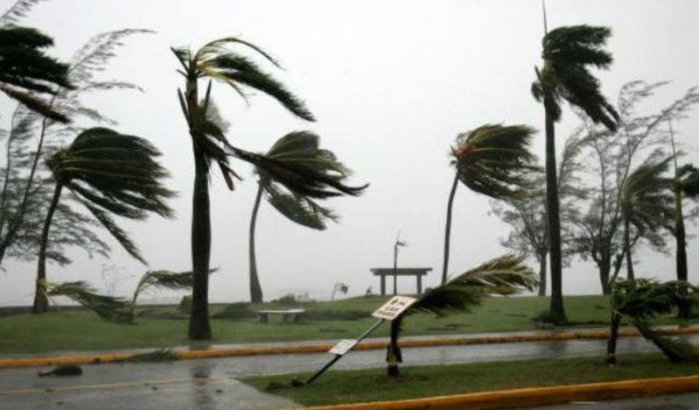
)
(627, 245)
(556, 314)
(255, 288)
(41, 302)
(199, 326)
(393, 353)
(447, 228)
(684, 309)
(613, 337)
(542, 273)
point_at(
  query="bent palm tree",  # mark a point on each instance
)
(641, 300)
(647, 203)
(297, 149)
(567, 54)
(109, 173)
(491, 160)
(26, 71)
(506, 275)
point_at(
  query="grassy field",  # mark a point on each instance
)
(163, 326)
(336, 387)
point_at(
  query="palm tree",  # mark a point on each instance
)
(217, 61)
(301, 149)
(491, 160)
(506, 275)
(641, 300)
(567, 54)
(26, 71)
(686, 183)
(109, 173)
(647, 203)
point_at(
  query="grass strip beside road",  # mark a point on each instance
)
(361, 386)
(167, 354)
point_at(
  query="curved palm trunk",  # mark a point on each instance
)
(627, 245)
(542, 273)
(255, 288)
(41, 302)
(447, 228)
(556, 313)
(393, 353)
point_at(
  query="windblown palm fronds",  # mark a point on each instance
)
(641, 300)
(506, 275)
(302, 171)
(111, 309)
(688, 177)
(646, 197)
(494, 160)
(567, 53)
(109, 173)
(25, 71)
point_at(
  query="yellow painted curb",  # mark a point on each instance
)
(324, 347)
(538, 396)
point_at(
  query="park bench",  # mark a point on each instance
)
(289, 315)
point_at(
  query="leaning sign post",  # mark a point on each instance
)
(389, 311)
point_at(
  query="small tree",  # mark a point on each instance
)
(340, 287)
(506, 275)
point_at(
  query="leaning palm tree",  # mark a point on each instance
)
(26, 73)
(506, 275)
(567, 54)
(217, 61)
(302, 149)
(647, 203)
(109, 173)
(491, 160)
(640, 300)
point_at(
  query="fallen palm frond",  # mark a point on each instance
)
(165, 354)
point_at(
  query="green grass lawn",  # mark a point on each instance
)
(336, 387)
(83, 330)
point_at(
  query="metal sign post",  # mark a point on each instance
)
(389, 311)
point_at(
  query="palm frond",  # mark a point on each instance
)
(164, 279)
(506, 275)
(109, 308)
(494, 160)
(17, 11)
(688, 176)
(567, 52)
(646, 197)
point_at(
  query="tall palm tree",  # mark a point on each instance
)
(567, 54)
(491, 160)
(506, 275)
(647, 203)
(109, 173)
(26, 72)
(300, 149)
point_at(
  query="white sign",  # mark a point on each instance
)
(343, 346)
(394, 307)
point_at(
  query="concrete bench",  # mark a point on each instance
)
(289, 315)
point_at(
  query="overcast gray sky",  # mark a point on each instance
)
(391, 83)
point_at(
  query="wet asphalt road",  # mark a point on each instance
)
(209, 384)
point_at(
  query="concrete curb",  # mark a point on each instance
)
(506, 399)
(324, 347)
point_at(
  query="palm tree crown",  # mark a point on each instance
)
(646, 197)
(26, 71)
(112, 173)
(493, 160)
(567, 53)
